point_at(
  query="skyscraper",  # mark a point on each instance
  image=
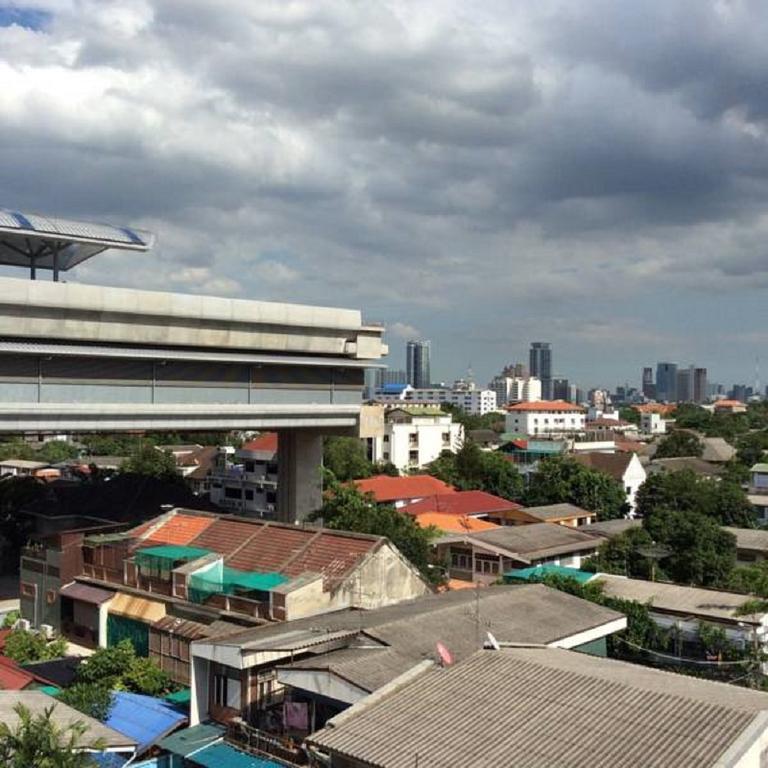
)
(417, 364)
(700, 389)
(648, 388)
(540, 365)
(666, 382)
(684, 388)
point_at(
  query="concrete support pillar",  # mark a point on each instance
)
(299, 474)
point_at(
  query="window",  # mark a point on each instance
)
(232, 493)
(28, 590)
(249, 466)
(226, 691)
(386, 455)
(461, 560)
(50, 596)
(486, 564)
(386, 438)
(271, 497)
(627, 489)
(248, 494)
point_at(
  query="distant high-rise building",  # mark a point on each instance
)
(417, 364)
(393, 376)
(666, 382)
(540, 364)
(561, 389)
(700, 390)
(740, 392)
(684, 385)
(648, 388)
(515, 371)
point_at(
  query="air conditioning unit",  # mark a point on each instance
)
(47, 631)
(22, 624)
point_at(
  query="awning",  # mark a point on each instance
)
(137, 608)
(190, 740)
(86, 593)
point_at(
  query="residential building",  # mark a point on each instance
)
(600, 399)
(700, 387)
(673, 606)
(21, 467)
(414, 436)
(730, 406)
(477, 402)
(550, 707)
(402, 490)
(244, 481)
(546, 417)
(419, 373)
(472, 504)
(197, 567)
(653, 423)
(693, 463)
(558, 514)
(648, 387)
(684, 385)
(331, 662)
(487, 439)
(540, 365)
(751, 544)
(758, 491)
(624, 468)
(484, 556)
(666, 382)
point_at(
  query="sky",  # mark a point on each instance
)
(592, 174)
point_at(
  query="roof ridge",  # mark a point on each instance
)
(296, 555)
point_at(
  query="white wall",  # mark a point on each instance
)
(544, 422)
(416, 444)
(634, 477)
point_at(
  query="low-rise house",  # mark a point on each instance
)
(751, 544)
(717, 450)
(609, 529)
(729, 406)
(415, 436)
(692, 463)
(560, 514)
(199, 568)
(335, 660)
(551, 707)
(484, 556)
(487, 439)
(624, 468)
(653, 423)
(22, 467)
(477, 504)
(545, 417)
(112, 744)
(402, 490)
(684, 608)
(246, 484)
(448, 523)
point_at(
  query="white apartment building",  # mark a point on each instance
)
(545, 417)
(653, 424)
(414, 437)
(516, 389)
(477, 402)
(244, 481)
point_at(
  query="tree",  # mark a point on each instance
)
(39, 741)
(25, 647)
(56, 450)
(751, 448)
(723, 500)
(119, 668)
(148, 461)
(469, 421)
(632, 415)
(679, 443)
(346, 458)
(472, 469)
(92, 699)
(346, 509)
(621, 555)
(560, 479)
(701, 552)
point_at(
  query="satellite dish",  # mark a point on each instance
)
(446, 657)
(492, 641)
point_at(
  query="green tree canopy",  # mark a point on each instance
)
(148, 461)
(679, 443)
(345, 457)
(621, 555)
(92, 699)
(722, 500)
(37, 740)
(751, 447)
(24, 646)
(56, 450)
(469, 421)
(560, 479)
(472, 469)
(346, 509)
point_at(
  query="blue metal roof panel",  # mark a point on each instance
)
(189, 740)
(221, 755)
(143, 718)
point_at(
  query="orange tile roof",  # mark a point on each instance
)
(453, 523)
(12, 676)
(546, 406)
(729, 404)
(662, 408)
(266, 442)
(461, 503)
(385, 488)
(179, 529)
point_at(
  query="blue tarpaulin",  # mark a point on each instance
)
(143, 718)
(223, 756)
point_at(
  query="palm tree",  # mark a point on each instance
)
(37, 740)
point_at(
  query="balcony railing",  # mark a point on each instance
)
(262, 744)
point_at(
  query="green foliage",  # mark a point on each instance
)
(722, 500)
(494, 421)
(24, 647)
(148, 461)
(560, 479)
(751, 448)
(701, 552)
(750, 579)
(679, 443)
(17, 449)
(10, 619)
(345, 457)
(346, 509)
(632, 415)
(119, 668)
(472, 469)
(621, 555)
(92, 699)
(15, 529)
(55, 451)
(37, 740)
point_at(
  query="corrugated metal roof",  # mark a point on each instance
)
(222, 755)
(189, 740)
(550, 707)
(192, 630)
(144, 719)
(755, 539)
(137, 607)
(86, 593)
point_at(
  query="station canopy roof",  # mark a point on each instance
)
(32, 240)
